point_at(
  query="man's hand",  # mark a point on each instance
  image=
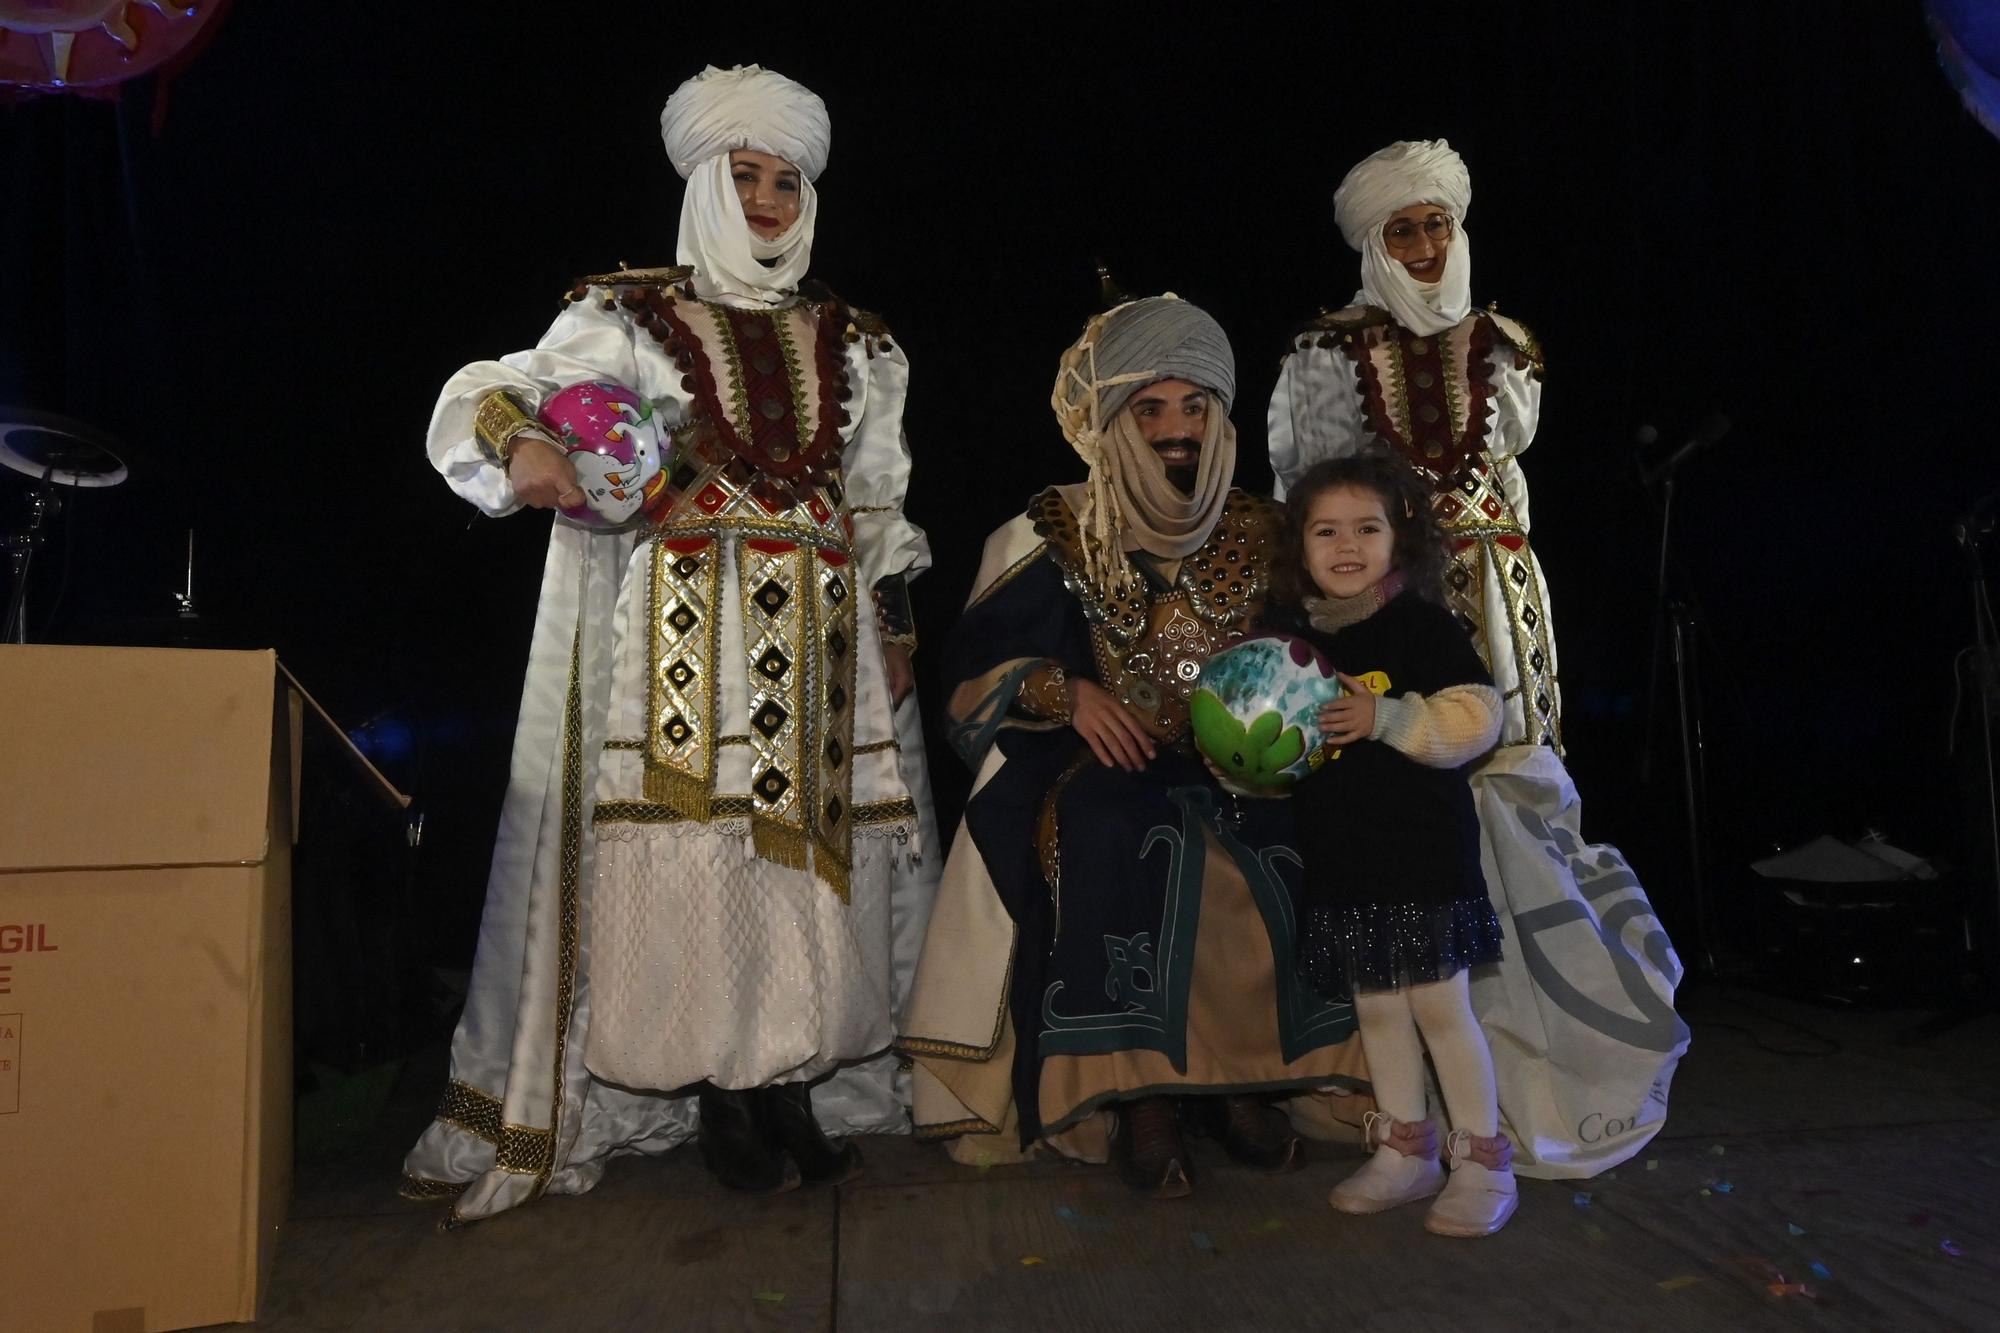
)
(542, 475)
(1351, 717)
(1114, 735)
(897, 671)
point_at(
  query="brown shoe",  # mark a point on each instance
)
(1256, 1133)
(1147, 1149)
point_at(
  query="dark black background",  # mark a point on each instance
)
(1774, 209)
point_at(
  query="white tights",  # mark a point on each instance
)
(1442, 1011)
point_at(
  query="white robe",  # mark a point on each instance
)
(523, 1112)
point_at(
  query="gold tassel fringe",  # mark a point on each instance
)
(685, 792)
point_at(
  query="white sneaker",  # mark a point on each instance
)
(1388, 1180)
(1479, 1198)
(1403, 1170)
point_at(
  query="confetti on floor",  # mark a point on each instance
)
(1716, 1150)
(1757, 1263)
(1950, 1247)
(1706, 1191)
(1790, 1289)
(1202, 1241)
(1030, 1260)
(1652, 1163)
(1581, 1198)
(771, 1297)
(1821, 1271)
(1596, 1233)
(1083, 1221)
(1722, 1187)
(1676, 1283)
(1269, 1225)
(1795, 1228)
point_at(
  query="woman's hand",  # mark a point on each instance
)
(896, 670)
(1351, 717)
(542, 475)
(1114, 735)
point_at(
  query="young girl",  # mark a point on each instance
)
(1393, 908)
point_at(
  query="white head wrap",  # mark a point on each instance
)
(714, 112)
(1424, 171)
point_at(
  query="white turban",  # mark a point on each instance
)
(1425, 171)
(713, 113)
(745, 107)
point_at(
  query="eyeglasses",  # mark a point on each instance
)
(1402, 233)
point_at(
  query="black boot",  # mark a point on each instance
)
(736, 1145)
(789, 1117)
(1147, 1149)
(1252, 1131)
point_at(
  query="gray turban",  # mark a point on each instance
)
(1129, 502)
(745, 107)
(1164, 338)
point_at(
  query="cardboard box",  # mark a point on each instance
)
(145, 985)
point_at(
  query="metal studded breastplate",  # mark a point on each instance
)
(1148, 641)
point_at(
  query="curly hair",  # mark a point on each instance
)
(1419, 549)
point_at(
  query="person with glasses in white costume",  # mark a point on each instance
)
(707, 890)
(1580, 1014)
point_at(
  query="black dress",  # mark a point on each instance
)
(1391, 893)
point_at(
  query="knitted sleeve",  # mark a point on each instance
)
(1447, 729)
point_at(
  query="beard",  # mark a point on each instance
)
(1181, 476)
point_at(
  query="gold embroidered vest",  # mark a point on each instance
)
(756, 470)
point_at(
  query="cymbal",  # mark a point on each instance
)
(69, 453)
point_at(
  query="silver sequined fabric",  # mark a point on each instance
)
(1386, 946)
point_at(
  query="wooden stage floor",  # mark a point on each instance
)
(1820, 1169)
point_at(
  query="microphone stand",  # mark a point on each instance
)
(1985, 681)
(1674, 619)
(21, 547)
(187, 620)
(1966, 532)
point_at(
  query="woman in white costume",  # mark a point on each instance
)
(707, 892)
(1580, 1016)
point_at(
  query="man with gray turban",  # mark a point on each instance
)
(1411, 368)
(1112, 931)
(709, 875)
